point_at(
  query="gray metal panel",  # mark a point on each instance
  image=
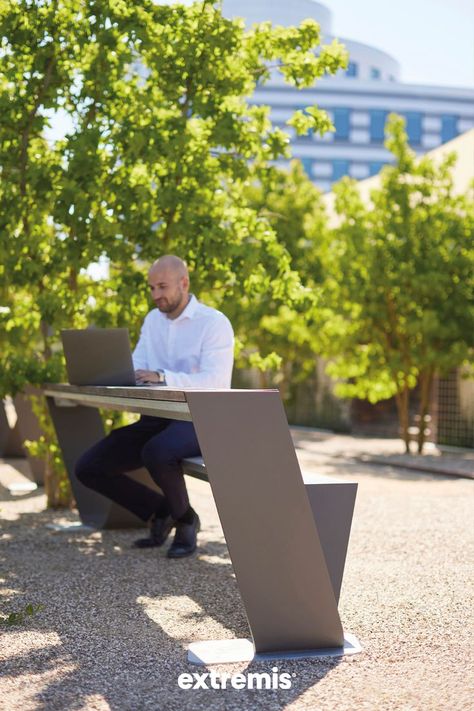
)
(267, 520)
(332, 503)
(77, 429)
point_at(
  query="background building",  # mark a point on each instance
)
(357, 100)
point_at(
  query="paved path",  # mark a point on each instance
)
(115, 622)
(320, 447)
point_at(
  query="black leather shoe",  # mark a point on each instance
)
(160, 529)
(185, 539)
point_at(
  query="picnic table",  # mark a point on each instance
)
(287, 535)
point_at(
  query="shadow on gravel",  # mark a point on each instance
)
(302, 435)
(116, 622)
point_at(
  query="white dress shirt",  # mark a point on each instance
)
(195, 350)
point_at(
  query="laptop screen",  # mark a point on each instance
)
(98, 356)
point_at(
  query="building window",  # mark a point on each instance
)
(375, 167)
(413, 126)
(307, 164)
(374, 73)
(449, 127)
(339, 169)
(377, 125)
(341, 124)
(352, 69)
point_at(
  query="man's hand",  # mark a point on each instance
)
(147, 376)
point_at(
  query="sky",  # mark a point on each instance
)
(433, 40)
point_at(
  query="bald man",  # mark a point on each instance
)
(183, 343)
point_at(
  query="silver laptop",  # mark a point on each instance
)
(98, 356)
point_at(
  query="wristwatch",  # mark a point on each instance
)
(161, 376)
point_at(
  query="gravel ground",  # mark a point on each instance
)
(115, 622)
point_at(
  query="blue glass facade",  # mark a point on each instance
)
(449, 127)
(413, 127)
(377, 125)
(342, 120)
(375, 167)
(308, 167)
(339, 168)
(352, 69)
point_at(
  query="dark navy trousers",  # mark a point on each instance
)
(156, 443)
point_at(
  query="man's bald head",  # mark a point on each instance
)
(172, 264)
(169, 285)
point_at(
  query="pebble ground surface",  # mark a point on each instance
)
(115, 623)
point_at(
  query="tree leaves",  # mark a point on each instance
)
(399, 276)
(162, 143)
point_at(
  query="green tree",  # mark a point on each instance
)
(397, 303)
(294, 208)
(162, 145)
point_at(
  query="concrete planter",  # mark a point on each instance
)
(29, 429)
(10, 437)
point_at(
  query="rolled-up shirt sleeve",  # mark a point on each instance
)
(215, 362)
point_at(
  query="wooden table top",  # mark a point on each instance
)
(142, 392)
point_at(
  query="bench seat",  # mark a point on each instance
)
(195, 467)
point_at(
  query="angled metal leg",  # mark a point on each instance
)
(78, 428)
(332, 503)
(268, 523)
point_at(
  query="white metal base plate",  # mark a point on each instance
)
(71, 527)
(228, 651)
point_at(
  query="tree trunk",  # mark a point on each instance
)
(284, 384)
(263, 377)
(426, 387)
(56, 480)
(56, 485)
(402, 399)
